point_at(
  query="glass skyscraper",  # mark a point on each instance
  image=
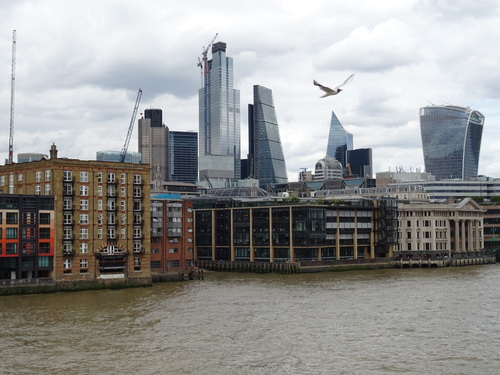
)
(339, 141)
(219, 122)
(183, 156)
(451, 141)
(266, 160)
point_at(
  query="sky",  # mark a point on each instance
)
(80, 64)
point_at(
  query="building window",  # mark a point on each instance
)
(122, 233)
(99, 204)
(111, 178)
(67, 204)
(84, 204)
(137, 263)
(67, 234)
(123, 178)
(137, 192)
(84, 190)
(137, 246)
(173, 263)
(173, 251)
(47, 189)
(111, 218)
(20, 177)
(190, 239)
(38, 176)
(137, 233)
(123, 219)
(123, 205)
(99, 219)
(84, 233)
(44, 218)
(84, 265)
(84, 247)
(38, 189)
(44, 248)
(2, 180)
(84, 219)
(99, 233)
(99, 191)
(67, 219)
(67, 189)
(189, 219)
(155, 251)
(67, 176)
(84, 176)
(111, 233)
(111, 191)
(123, 191)
(137, 179)
(11, 233)
(67, 247)
(44, 233)
(47, 175)
(11, 248)
(12, 218)
(155, 264)
(67, 266)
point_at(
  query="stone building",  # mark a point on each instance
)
(433, 231)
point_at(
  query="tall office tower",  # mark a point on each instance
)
(153, 142)
(359, 162)
(265, 159)
(339, 141)
(183, 156)
(451, 140)
(219, 122)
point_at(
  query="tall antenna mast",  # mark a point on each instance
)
(12, 91)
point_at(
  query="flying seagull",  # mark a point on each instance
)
(328, 91)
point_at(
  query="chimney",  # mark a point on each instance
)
(53, 151)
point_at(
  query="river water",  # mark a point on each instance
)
(411, 321)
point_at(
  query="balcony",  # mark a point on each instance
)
(70, 253)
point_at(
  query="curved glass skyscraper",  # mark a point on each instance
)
(339, 141)
(267, 163)
(451, 140)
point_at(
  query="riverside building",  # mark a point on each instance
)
(26, 236)
(101, 215)
(265, 231)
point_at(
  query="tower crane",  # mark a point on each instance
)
(203, 62)
(12, 91)
(123, 153)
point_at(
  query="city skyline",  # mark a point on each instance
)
(78, 89)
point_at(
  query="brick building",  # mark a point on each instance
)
(101, 215)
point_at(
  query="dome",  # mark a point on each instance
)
(238, 192)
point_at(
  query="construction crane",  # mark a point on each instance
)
(123, 153)
(203, 63)
(12, 91)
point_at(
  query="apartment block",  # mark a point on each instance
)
(101, 215)
(26, 236)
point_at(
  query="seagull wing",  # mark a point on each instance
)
(324, 88)
(349, 79)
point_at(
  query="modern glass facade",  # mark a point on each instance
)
(360, 162)
(219, 122)
(451, 140)
(183, 156)
(266, 160)
(339, 141)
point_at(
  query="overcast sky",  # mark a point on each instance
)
(80, 64)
